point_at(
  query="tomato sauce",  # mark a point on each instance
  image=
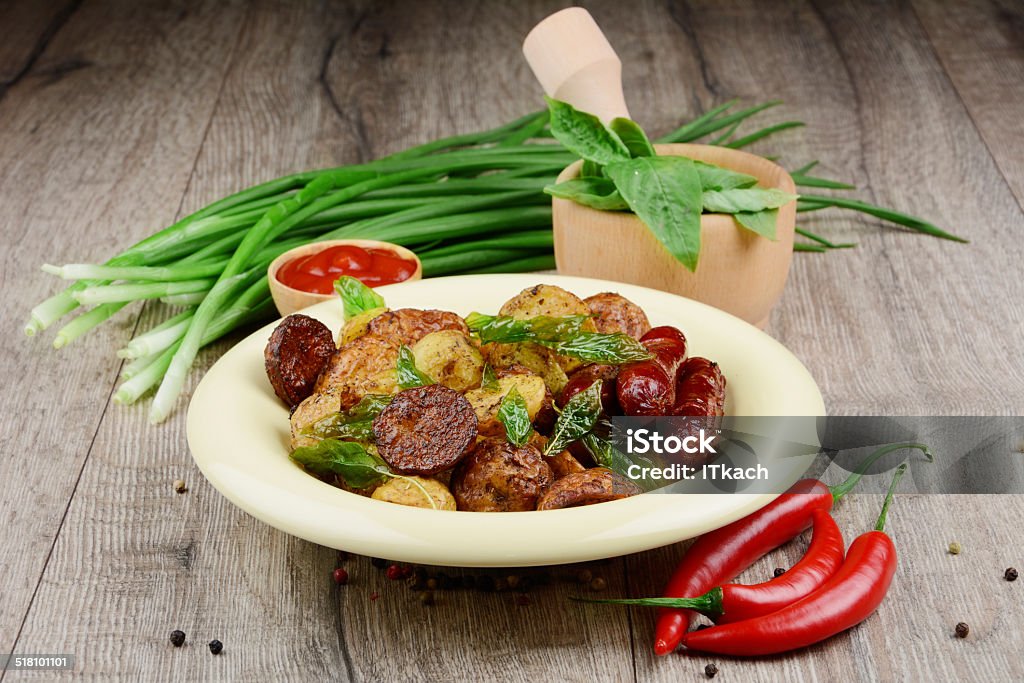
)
(317, 272)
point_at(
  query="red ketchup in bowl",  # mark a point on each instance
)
(317, 272)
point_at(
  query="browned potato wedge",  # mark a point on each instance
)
(615, 313)
(416, 492)
(486, 402)
(316, 407)
(597, 485)
(358, 325)
(409, 325)
(537, 359)
(451, 359)
(499, 477)
(551, 301)
(365, 365)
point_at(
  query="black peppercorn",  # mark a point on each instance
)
(216, 647)
(177, 638)
(378, 563)
(585, 576)
(710, 670)
(962, 630)
(1011, 574)
(779, 571)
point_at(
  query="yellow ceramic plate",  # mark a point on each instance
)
(238, 433)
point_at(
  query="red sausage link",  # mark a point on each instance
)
(648, 387)
(700, 389)
(584, 377)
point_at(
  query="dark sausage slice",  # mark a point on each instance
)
(425, 430)
(598, 485)
(296, 354)
(500, 477)
(409, 325)
(615, 313)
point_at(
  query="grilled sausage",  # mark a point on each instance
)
(585, 376)
(363, 366)
(597, 485)
(615, 313)
(295, 355)
(425, 430)
(409, 325)
(499, 477)
(700, 389)
(648, 387)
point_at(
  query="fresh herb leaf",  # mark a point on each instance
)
(489, 380)
(354, 424)
(746, 200)
(633, 137)
(595, 347)
(513, 414)
(665, 193)
(584, 135)
(578, 417)
(761, 222)
(409, 375)
(597, 193)
(356, 297)
(508, 330)
(590, 169)
(718, 178)
(607, 455)
(352, 462)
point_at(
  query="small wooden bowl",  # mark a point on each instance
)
(288, 299)
(739, 272)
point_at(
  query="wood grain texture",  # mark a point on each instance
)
(180, 103)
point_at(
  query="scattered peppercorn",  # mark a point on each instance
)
(373, 596)
(585, 576)
(1010, 574)
(962, 630)
(177, 638)
(427, 598)
(397, 572)
(431, 584)
(954, 548)
(378, 563)
(340, 576)
(179, 486)
(522, 599)
(523, 584)
(512, 580)
(598, 584)
(779, 571)
(216, 647)
(710, 670)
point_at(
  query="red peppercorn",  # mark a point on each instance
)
(340, 576)
(397, 572)
(373, 596)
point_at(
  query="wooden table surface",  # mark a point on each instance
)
(116, 117)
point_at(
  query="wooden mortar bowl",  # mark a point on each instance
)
(288, 299)
(739, 272)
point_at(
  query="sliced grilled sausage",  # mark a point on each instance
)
(615, 313)
(597, 485)
(425, 430)
(499, 477)
(296, 354)
(409, 325)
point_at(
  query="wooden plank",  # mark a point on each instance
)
(979, 44)
(95, 158)
(34, 24)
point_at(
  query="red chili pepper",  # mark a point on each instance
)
(736, 602)
(719, 556)
(847, 599)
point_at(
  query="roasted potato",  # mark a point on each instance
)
(486, 402)
(416, 492)
(315, 407)
(358, 325)
(597, 485)
(499, 477)
(551, 301)
(537, 359)
(295, 355)
(615, 313)
(365, 365)
(451, 359)
(409, 325)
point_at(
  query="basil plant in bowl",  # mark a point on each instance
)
(709, 223)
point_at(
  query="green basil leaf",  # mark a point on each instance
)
(596, 347)
(409, 375)
(578, 417)
(513, 414)
(355, 465)
(761, 222)
(633, 137)
(718, 178)
(597, 193)
(354, 424)
(508, 330)
(746, 200)
(584, 135)
(490, 380)
(665, 193)
(589, 169)
(356, 297)
(607, 455)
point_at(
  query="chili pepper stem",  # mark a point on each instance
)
(709, 604)
(888, 496)
(846, 486)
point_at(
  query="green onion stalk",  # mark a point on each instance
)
(471, 203)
